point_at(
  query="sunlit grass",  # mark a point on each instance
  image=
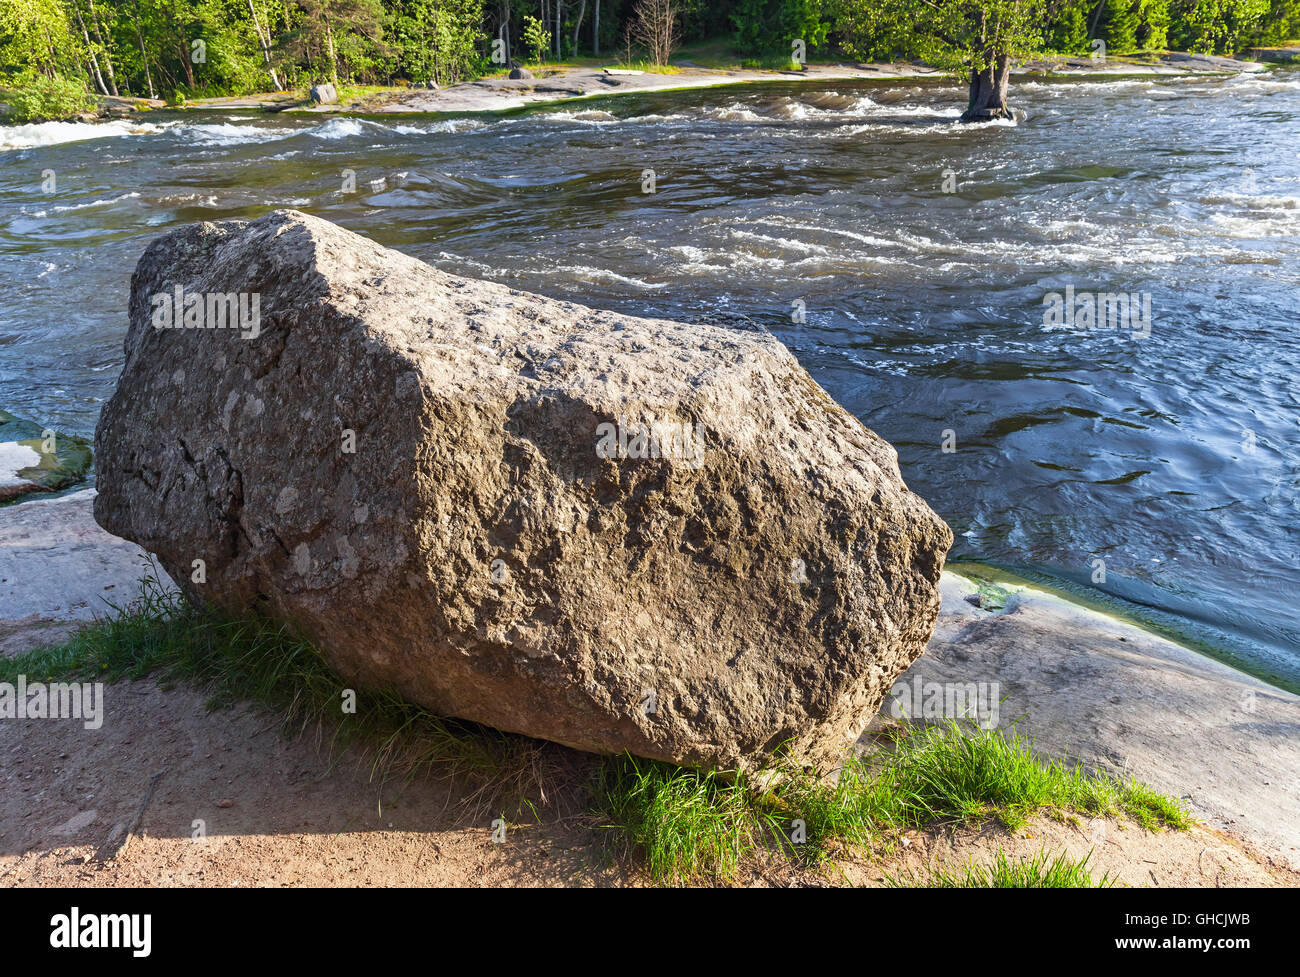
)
(1040, 871)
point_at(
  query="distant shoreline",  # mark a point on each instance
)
(563, 85)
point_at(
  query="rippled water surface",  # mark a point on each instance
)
(924, 308)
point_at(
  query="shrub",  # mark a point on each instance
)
(42, 98)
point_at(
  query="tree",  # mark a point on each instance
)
(326, 25)
(1217, 26)
(536, 38)
(37, 36)
(656, 26)
(978, 38)
(436, 38)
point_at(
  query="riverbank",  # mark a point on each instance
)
(1086, 687)
(557, 85)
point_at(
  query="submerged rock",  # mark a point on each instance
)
(616, 533)
(37, 459)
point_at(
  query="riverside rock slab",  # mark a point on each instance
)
(615, 533)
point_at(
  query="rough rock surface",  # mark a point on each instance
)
(324, 94)
(761, 582)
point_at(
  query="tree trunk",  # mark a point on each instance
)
(186, 64)
(595, 31)
(144, 58)
(99, 78)
(988, 91)
(54, 58)
(265, 44)
(334, 64)
(582, 12)
(1096, 16)
(504, 32)
(108, 55)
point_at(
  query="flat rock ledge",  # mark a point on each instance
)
(618, 534)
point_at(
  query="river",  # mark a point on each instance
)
(921, 250)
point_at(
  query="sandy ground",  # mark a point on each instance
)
(280, 812)
(238, 803)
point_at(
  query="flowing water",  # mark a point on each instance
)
(1174, 456)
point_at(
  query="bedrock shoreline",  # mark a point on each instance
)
(574, 84)
(1085, 687)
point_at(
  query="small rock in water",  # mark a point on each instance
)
(37, 459)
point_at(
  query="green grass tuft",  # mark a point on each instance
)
(689, 825)
(686, 824)
(1038, 872)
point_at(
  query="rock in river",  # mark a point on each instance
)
(37, 459)
(619, 534)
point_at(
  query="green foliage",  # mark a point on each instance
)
(1216, 26)
(1068, 32)
(437, 39)
(957, 35)
(536, 38)
(1280, 25)
(41, 98)
(1135, 25)
(1153, 28)
(35, 36)
(771, 26)
(145, 47)
(1119, 25)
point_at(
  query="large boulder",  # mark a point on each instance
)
(323, 94)
(619, 534)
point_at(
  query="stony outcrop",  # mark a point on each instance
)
(616, 533)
